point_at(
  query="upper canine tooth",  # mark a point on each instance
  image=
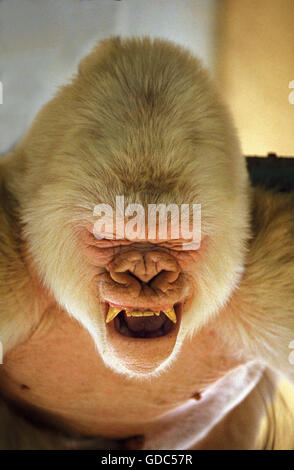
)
(112, 313)
(170, 313)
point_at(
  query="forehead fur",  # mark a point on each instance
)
(141, 119)
(145, 112)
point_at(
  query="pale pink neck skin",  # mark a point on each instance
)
(59, 372)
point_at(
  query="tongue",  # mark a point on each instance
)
(150, 324)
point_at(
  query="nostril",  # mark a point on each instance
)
(120, 277)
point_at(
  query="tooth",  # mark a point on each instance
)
(148, 313)
(137, 313)
(140, 313)
(170, 313)
(112, 313)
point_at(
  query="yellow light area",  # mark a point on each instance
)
(254, 70)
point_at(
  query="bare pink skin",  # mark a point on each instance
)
(59, 371)
(129, 266)
(154, 308)
(144, 275)
(102, 252)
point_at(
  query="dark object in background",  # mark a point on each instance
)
(272, 172)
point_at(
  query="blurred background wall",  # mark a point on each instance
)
(247, 44)
(41, 42)
(255, 66)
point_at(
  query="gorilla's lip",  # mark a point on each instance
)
(144, 322)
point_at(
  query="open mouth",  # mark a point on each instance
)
(142, 323)
(140, 339)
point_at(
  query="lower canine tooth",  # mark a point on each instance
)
(112, 313)
(170, 313)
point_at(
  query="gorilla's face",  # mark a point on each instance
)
(141, 120)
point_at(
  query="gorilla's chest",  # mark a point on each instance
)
(59, 373)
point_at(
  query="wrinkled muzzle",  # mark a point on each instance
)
(144, 294)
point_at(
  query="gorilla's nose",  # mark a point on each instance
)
(145, 266)
(141, 276)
